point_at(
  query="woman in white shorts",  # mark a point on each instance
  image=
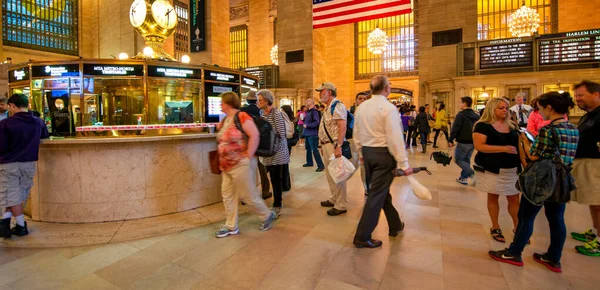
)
(496, 138)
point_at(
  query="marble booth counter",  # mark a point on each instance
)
(110, 179)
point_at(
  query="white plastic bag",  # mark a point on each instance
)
(418, 189)
(340, 169)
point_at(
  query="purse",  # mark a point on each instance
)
(213, 158)
(346, 151)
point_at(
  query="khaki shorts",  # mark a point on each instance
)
(587, 179)
(16, 180)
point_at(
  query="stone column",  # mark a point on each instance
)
(260, 33)
(217, 35)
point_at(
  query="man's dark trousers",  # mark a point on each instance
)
(379, 164)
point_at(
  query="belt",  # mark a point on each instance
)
(324, 143)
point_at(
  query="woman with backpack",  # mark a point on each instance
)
(236, 161)
(275, 164)
(561, 136)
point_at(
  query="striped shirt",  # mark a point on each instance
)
(568, 136)
(275, 118)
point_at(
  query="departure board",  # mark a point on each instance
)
(570, 47)
(506, 53)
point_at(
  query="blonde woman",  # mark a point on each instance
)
(496, 138)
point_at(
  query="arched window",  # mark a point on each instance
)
(41, 25)
(492, 17)
(238, 46)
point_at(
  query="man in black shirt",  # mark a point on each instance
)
(587, 162)
(462, 132)
(253, 110)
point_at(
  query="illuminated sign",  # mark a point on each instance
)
(198, 26)
(570, 47)
(507, 53)
(55, 70)
(249, 82)
(173, 72)
(220, 90)
(113, 70)
(221, 77)
(18, 75)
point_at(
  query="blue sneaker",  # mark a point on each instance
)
(224, 231)
(266, 225)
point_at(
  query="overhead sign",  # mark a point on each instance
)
(506, 53)
(197, 26)
(173, 72)
(18, 75)
(249, 82)
(221, 76)
(67, 70)
(220, 90)
(113, 70)
(570, 47)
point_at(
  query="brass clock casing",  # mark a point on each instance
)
(155, 35)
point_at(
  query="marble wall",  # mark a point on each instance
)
(100, 182)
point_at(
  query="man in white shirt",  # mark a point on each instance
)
(378, 139)
(332, 133)
(521, 111)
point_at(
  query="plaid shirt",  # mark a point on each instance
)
(568, 135)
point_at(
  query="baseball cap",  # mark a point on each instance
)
(326, 85)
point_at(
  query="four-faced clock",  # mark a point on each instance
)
(164, 14)
(137, 13)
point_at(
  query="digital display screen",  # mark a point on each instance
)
(68, 70)
(570, 47)
(506, 53)
(113, 70)
(221, 76)
(249, 82)
(18, 75)
(173, 72)
(214, 106)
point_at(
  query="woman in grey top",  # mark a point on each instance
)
(276, 162)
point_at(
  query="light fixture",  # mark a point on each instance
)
(148, 51)
(275, 54)
(377, 41)
(560, 91)
(484, 94)
(523, 22)
(185, 58)
(123, 56)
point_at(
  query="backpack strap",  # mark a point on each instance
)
(238, 125)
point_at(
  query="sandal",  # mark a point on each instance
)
(497, 235)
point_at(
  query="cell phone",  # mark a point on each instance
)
(478, 168)
(529, 136)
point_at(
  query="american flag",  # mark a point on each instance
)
(336, 12)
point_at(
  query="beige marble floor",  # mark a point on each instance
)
(444, 246)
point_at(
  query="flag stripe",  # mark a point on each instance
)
(337, 12)
(353, 20)
(338, 4)
(358, 10)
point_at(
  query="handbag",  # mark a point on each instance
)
(213, 158)
(547, 179)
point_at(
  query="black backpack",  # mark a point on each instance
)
(269, 141)
(349, 121)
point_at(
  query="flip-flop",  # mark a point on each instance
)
(497, 235)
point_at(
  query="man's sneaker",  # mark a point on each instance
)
(543, 259)
(585, 236)
(20, 230)
(266, 225)
(590, 249)
(224, 231)
(462, 181)
(276, 210)
(5, 231)
(506, 257)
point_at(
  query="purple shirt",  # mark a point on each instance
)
(405, 120)
(311, 121)
(20, 137)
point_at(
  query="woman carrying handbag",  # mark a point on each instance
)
(560, 137)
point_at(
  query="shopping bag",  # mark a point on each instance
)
(340, 169)
(419, 190)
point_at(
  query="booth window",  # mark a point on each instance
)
(238, 46)
(173, 101)
(492, 17)
(112, 101)
(400, 57)
(50, 26)
(182, 34)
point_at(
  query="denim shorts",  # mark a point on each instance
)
(16, 180)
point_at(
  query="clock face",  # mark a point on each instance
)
(164, 14)
(137, 13)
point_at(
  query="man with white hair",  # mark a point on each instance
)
(521, 110)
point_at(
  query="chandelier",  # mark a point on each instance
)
(524, 22)
(275, 54)
(377, 41)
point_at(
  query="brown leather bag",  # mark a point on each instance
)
(213, 157)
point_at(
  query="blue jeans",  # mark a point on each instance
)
(555, 213)
(424, 137)
(312, 148)
(462, 157)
